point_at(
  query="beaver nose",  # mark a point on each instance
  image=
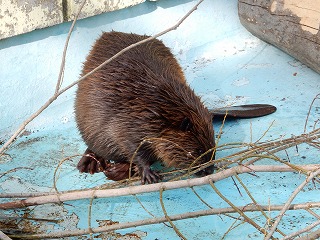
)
(206, 171)
(210, 169)
(208, 157)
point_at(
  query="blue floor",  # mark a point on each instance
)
(224, 64)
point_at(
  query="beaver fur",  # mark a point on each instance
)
(140, 99)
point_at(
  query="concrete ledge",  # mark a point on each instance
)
(95, 7)
(18, 17)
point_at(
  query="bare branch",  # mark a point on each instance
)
(132, 190)
(214, 211)
(63, 61)
(290, 236)
(311, 236)
(4, 236)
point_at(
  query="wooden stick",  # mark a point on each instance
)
(153, 220)
(132, 190)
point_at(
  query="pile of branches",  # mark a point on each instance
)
(245, 161)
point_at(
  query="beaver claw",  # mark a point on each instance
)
(149, 176)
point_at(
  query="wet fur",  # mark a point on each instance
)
(142, 94)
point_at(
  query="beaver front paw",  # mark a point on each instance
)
(149, 176)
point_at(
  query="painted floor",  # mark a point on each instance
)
(224, 64)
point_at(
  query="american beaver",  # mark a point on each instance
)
(140, 99)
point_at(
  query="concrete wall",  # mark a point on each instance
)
(20, 16)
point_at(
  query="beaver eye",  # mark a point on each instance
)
(186, 124)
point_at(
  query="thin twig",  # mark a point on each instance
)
(286, 206)
(265, 132)
(254, 201)
(313, 213)
(309, 111)
(14, 170)
(63, 61)
(52, 99)
(246, 218)
(167, 217)
(200, 198)
(89, 217)
(306, 229)
(311, 236)
(233, 226)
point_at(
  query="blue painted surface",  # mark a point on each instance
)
(223, 63)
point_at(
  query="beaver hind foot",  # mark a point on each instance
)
(91, 163)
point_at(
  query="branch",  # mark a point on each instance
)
(306, 229)
(241, 213)
(311, 236)
(63, 61)
(214, 211)
(4, 236)
(132, 190)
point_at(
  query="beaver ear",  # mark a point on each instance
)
(186, 124)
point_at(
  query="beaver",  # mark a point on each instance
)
(140, 107)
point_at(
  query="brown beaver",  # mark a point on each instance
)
(140, 98)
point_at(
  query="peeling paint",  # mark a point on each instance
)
(95, 7)
(16, 184)
(20, 16)
(241, 82)
(24, 16)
